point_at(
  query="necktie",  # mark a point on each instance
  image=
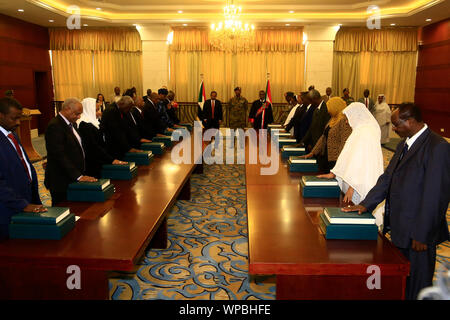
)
(19, 153)
(212, 108)
(366, 104)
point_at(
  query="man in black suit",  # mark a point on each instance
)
(256, 112)
(115, 122)
(320, 118)
(18, 180)
(65, 153)
(147, 97)
(301, 121)
(151, 118)
(212, 112)
(416, 186)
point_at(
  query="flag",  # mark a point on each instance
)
(201, 96)
(268, 102)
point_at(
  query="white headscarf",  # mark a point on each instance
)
(89, 112)
(382, 111)
(361, 161)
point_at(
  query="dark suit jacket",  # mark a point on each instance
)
(420, 191)
(268, 115)
(118, 137)
(65, 159)
(94, 148)
(206, 118)
(16, 191)
(152, 121)
(320, 118)
(144, 131)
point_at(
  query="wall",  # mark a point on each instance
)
(433, 76)
(24, 51)
(319, 56)
(155, 56)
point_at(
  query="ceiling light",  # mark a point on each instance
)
(392, 24)
(291, 11)
(287, 24)
(20, 10)
(185, 24)
(428, 20)
(180, 11)
(98, 8)
(51, 20)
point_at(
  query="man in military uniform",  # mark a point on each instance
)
(238, 110)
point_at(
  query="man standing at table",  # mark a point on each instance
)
(65, 153)
(257, 110)
(18, 180)
(212, 112)
(416, 186)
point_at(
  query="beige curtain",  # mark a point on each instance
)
(279, 52)
(383, 61)
(72, 71)
(92, 61)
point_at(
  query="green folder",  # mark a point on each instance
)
(337, 216)
(140, 158)
(314, 181)
(116, 174)
(347, 231)
(289, 151)
(155, 147)
(319, 191)
(298, 164)
(285, 141)
(167, 140)
(99, 185)
(42, 231)
(91, 195)
(53, 216)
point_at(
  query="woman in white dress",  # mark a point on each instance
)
(360, 162)
(383, 116)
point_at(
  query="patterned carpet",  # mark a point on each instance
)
(207, 256)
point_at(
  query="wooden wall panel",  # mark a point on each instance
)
(25, 51)
(432, 91)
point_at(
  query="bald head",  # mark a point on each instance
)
(72, 109)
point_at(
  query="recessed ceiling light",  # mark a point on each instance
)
(428, 20)
(185, 24)
(292, 11)
(180, 11)
(287, 24)
(51, 20)
(392, 24)
(20, 10)
(98, 8)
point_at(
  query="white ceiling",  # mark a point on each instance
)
(203, 12)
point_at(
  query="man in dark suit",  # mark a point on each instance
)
(416, 186)
(65, 153)
(18, 180)
(147, 97)
(256, 112)
(212, 112)
(151, 119)
(367, 101)
(301, 121)
(115, 125)
(320, 118)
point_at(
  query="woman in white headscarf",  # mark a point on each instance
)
(383, 116)
(93, 140)
(360, 162)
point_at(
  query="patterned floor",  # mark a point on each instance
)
(207, 256)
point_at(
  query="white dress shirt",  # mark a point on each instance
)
(6, 133)
(410, 141)
(291, 114)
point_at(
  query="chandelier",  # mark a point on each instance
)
(231, 34)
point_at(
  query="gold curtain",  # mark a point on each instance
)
(91, 61)
(383, 61)
(72, 71)
(279, 52)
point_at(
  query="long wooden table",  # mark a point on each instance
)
(284, 240)
(110, 236)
